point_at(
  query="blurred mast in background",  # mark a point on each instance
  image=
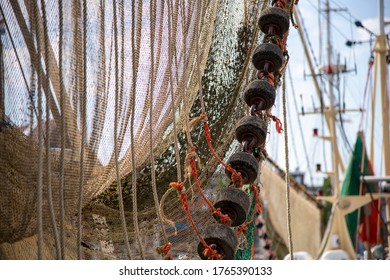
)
(381, 49)
(337, 225)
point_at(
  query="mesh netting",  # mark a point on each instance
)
(89, 84)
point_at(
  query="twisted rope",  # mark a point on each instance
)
(36, 58)
(83, 128)
(48, 159)
(117, 101)
(135, 42)
(151, 142)
(62, 128)
(287, 174)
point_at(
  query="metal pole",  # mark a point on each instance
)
(374, 179)
(332, 113)
(315, 80)
(381, 49)
(381, 9)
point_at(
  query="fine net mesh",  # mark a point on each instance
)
(94, 96)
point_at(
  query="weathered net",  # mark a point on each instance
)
(86, 106)
(78, 78)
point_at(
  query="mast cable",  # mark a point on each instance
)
(300, 124)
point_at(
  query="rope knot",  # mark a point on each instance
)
(236, 178)
(256, 191)
(196, 121)
(270, 78)
(280, 3)
(222, 218)
(211, 253)
(177, 185)
(164, 251)
(189, 162)
(241, 229)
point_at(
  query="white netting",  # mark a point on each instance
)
(104, 55)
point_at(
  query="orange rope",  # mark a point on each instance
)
(236, 176)
(222, 218)
(210, 252)
(280, 3)
(253, 252)
(195, 176)
(164, 251)
(270, 78)
(278, 123)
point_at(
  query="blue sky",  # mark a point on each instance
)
(351, 85)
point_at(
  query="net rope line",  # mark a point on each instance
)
(177, 153)
(153, 171)
(71, 120)
(172, 20)
(83, 104)
(87, 163)
(287, 172)
(62, 131)
(47, 142)
(36, 58)
(136, 40)
(117, 105)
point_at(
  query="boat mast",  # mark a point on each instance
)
(381, 49)
(332, 113)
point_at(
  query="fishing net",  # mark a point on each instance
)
(95, 97)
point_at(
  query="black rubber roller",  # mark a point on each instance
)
(260, 92)
(246, 164)
(223, 239)
(233, 202)
(251, 132)
(274, 21)
(267, 58)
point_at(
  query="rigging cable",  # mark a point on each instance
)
(300, 125)
(334, 26)
(342, 129)
(62, 130)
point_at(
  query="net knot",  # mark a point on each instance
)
(196, 121)
(190, 163)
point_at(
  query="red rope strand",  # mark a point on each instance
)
(210, 252)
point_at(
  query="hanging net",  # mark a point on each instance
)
(96, 101)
